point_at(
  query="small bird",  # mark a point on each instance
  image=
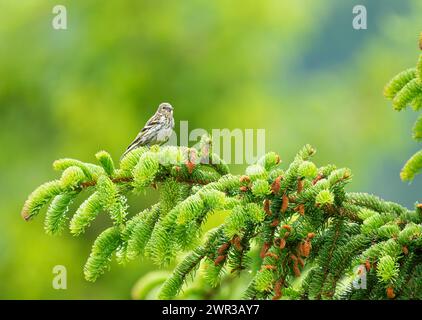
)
(157, 130)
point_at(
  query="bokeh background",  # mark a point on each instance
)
(296, 68)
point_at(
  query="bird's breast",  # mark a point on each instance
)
(164, 134)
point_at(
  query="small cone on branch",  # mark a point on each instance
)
(236, 243)
(190, 162)
(299, 185)
(277, 289)
(223, 248)
(269, 267)
(244, 179)
(285, 203)
(264, 249)
(275, 186)
(296, 269)
(311, 235)
(190, 166)
(267, 207)
(304, 248)
(219, 259)
(301, 209)
(367, 265)
(282, 243)
(287, 227)
(272, 255)
(318, 177)
(275, 223)
(390, 293)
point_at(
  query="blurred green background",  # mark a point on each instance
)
(296, 68)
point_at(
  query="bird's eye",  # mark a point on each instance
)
(166, 107)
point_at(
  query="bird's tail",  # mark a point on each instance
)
(129, 149)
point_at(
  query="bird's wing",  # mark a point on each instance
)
(144, 134)
(152, 122)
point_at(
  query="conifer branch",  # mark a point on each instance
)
(300, 217)
(406, 89)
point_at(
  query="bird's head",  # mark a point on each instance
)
(165, 108)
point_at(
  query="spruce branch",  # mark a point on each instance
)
(406, 89)
(301, 218)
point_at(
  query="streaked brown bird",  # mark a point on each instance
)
(157, 130)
